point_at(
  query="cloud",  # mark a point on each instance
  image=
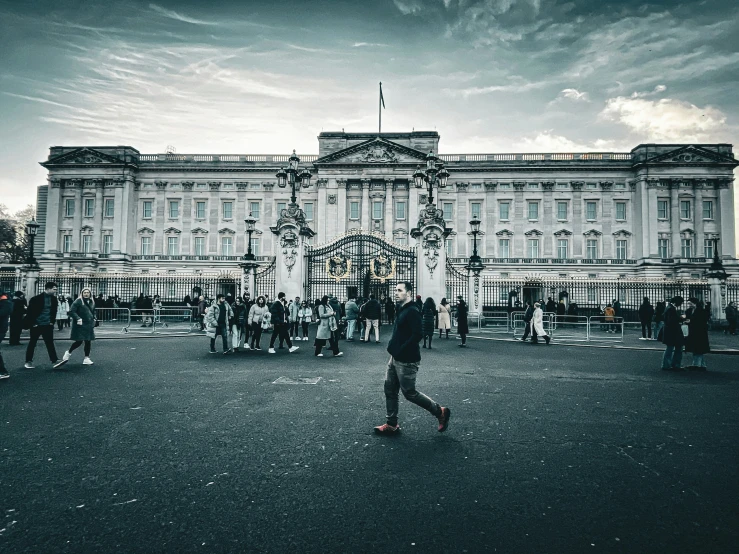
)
(367, 44)
(517, 86)
(573, 94)
(409, 7)
(179, 17)
(666, 119)
(547, 141)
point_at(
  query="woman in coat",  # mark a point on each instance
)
(16, 318)
(61, 312)
(324, 333)
(305, 316)
(428, 320)
(255, 319)
(82, 314)
(538, 322)
(697, 339)
(238, 325)
(462, 326)
(445, 320)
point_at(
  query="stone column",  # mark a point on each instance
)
(188, 216)
(321, 210)
(389, 207)
(726, 209)
(491, 216)
(675, 249)
(53, 210)
(718, 299)
(520, 219)
(98, 219)
(649, 214)
(29, 277)
(77, 225)
(248, 276)
(289, 268)
(474, 302)
(365, 216)
(548, 219)
(698, 251)
(431, 254)
(577, 230)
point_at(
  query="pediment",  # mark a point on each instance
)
(199, 230)
(533, 233)
(85, 156)
(593, 233)
(622, 232)
(226, 231)
(504, 233)
(172, 230)
(374, 151)
(562, 232)
(691, 154)
(146, 230)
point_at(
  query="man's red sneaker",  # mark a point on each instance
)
(386, 429)
(446, 413)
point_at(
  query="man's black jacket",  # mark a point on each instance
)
(372, 309)
(528, 316)
(407, 333)
(36, 306)
(277, 310)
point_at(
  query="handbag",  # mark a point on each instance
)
(685, 329)
(332, 324)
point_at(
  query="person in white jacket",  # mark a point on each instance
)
(255, 318)
(538, 323)
(305, 316)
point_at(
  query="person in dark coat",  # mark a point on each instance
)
(551, 306)
(390, 310)
(646, 313)
(731, 318)
(5, 309)
(39, 319)
(672, 336)
(372, 312)
(527, 317)
(428, 315)
(16, 318)
(659, 319)
(280, 323)
(697, 340)
(462, 326)
(82, 314)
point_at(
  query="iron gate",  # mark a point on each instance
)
(356, 265)
(457, 283)
(264, 281)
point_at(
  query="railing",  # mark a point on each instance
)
(602, 328)
(569, 328)
(113, 318)
(570, 261)
(230, 158)
(589, 156)
(173, 319)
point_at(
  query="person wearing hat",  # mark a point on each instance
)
(672, 335)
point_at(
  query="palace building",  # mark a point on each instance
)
(652, 212)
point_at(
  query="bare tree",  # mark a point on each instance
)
(13, 240)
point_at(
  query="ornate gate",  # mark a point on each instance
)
(264, 281)
(358, 264)
(457, 283)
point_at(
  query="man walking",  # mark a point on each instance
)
(527, 317)
(294, 308)
(40, 319)
(402, 368)
(217, 323)
(279, 320)
(373, 312)
(352, 313)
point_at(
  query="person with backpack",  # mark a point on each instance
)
(646, 313)
(280, 322)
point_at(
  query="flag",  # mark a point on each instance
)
(382, 98)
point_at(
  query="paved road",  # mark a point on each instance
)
(161, 447)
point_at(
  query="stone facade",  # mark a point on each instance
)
(651, 212)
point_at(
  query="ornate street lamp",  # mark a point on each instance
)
(31, 231)
(294, 176)
(716, 270)
(250, 224)
(435, 174)
(474, 263)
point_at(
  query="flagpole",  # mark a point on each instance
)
(379, 109)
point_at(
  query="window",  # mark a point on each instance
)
(255, 246)
(533, 210)
(476, 186)
(708, 248)
(376, 210)
(708, 209)
(109, 207)
(146, 209)
(145, 246)
(504, 248)
(200, 246)
(199, 210)
(533, 248)
(591, 210)
(107, 244)
(449, 247)
(400, 210)
(504, 186)
(89, 207)
(308, 209)
(353, 210)
(255, 186)
(562, 211)
(687, 248)
(684, 209)
(281, 206)
(448, 208)
(174, 209)
(562, 245)
(402, 240)
(228, 210)
(663, 210)
(592, 249)
(67, 243)
(621, 186)
(505, 208)
(173, 246)
(621, 250)
(227, 246)
(228, 185)
(561, 185)
(476, 209)
(621, 211)
(69, 207)
(86, 243)
(664, 248)
(592, 186)
(254, 209)
(533, 186)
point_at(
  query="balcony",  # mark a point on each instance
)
(552, 261)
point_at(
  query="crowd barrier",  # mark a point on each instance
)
(113, 318)
(172, 319)
(494, 322)
(606, 328)
(569, 327)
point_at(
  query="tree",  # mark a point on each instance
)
(13, 240)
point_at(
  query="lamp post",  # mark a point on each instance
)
(31, 231)
(475, 261)
(294, 176)
(717, 277)
(434, 174)
(250, 224)
(474, 267)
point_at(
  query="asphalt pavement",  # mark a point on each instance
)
(162, 447)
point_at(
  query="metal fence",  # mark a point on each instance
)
(10, 281)
(732, 291)
(264, 281)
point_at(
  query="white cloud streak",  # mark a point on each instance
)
(171, 14)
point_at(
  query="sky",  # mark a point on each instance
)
(267, 77)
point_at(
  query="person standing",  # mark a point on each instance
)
(537, 323)
(609, 312)
(238, 327)
(255, 318)
(326, 320)
(279, 320)
(659, 320)
(428, 317)
(731, 317)
(402, 368)
(444, 318)
(5, 309)
(352, 313)
(463, 327)
(216, 323)
(294, 308)
(697, 340)
(672, 336)
(646, 313)
(82, 314)
(40, 318)
(390, 310)
(61, 316)
(373, 312)
(16, 318)
(305, 316)
(248, 303)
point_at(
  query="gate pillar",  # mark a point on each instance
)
(290, 260)
(431, 254)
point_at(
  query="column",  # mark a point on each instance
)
(649, 222)
(431, 265)
(341, 206)
(77, 226)
(127, 207)
(214, 210)
(577, 230)
(520, 221)
(491, 207)
(365, 217)
(321, 211)
(389, 207)
(186, 246)
(676, 251)
(473, 296)
(727, 246)
(698, 250)
(413, 205)
(53, 210)
(548, 220)
(98, 219)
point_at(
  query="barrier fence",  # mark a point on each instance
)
(570, 328)
(169, 320)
